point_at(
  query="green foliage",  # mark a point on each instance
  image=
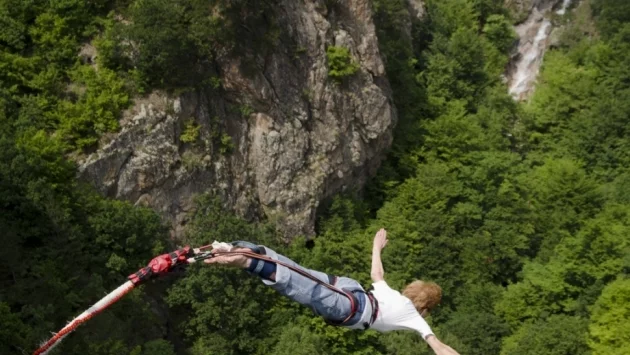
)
(609, 329)
(226, 144)
(245, 110)
(101, 98)
(612, 15)
(455, 69)
(299, 341)
(490, 8)
(405, 343)
(519, 211)
(157, 347)
(81, 247)
(447, 17)
(557, 335)
(221, 315)
(480, 332)
(173, 44)
(475, 324)
(581, 264)
(192, 160)
(190, 134)
(163, 50)
(499, 31)
(402, 66)
(76, 103)
(13, 332)
(583, 92)
(340, 63)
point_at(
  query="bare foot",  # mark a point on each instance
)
(233, 260)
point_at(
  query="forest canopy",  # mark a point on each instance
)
(520, 211)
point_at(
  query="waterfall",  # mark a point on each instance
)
(528, 64)
(563, 9)
(533, 42)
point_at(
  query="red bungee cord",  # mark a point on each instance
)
(161, 265)
(158, 266)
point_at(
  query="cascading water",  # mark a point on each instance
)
(563, 9)
(528, 64)
(533, 42)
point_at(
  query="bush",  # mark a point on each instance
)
(499, 31)
(226, 144)
(101, 98)
(159, 43)
(609, 327)
(190, 133)
(340, 63)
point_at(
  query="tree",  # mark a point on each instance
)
(609, 329)
(581, 266)
(223, 310)
(299, 341)
(556, 335)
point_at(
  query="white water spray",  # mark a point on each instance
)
(528, 65)
(563, 9)
(533, 42)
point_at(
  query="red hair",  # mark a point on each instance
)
(424, 295)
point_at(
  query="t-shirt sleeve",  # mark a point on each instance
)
(418, 324)
(380, 286)
(422, 327)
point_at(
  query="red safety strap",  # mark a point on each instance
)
(162, 264)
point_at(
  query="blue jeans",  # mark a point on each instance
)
(327, 303)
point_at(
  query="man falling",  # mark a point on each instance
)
(342, 301)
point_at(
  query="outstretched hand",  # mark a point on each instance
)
(380, 239)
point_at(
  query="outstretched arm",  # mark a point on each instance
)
(439, 347)
(380, 240)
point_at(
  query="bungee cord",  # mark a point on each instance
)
(157, 266)
(97, 308)
(163, 264)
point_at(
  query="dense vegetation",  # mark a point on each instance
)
(519, 211)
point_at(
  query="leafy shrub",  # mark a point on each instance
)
(499, 31)
(226, 144)
(102, 97)
(245, 110)
(340, 63)
(609, 328)
(190, 133)
(192, 161)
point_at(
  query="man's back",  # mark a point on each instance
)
(397, 312)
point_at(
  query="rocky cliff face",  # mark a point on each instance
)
(522, 9)
(278, 138)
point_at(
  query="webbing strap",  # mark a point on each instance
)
(375, 308)
(332, 279)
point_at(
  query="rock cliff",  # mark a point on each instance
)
(277, 138)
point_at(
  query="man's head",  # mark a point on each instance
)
(424, 295)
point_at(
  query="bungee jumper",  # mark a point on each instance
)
(341, 301)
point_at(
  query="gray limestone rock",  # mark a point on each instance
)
(288, 136)
(521, 9)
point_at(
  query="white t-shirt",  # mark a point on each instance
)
(396, 312)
